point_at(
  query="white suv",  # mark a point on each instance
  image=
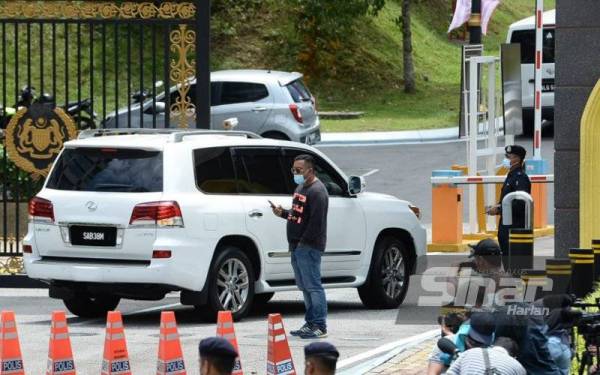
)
(142, 214)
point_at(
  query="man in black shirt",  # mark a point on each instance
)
(307, 237)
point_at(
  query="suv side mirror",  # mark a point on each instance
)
(356, 185)
(230, 123)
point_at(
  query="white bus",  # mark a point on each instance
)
(523, 32)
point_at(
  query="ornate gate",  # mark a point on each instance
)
(66, 66)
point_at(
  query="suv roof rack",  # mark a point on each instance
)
(177, 135)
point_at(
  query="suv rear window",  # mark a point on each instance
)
(298, 91)
(108, 170)
(527, 40)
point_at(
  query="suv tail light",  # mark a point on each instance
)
(296, 112)
(41, 209)
(159, 214)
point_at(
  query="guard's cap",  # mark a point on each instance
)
(321, 349)
(516, 150)
(216, 347)
(485, 247)
(483, 326)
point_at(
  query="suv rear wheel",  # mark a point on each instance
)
(387, 282)
(231, 285)
(86, 306)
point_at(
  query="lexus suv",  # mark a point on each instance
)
(270, 103)
(148, 212)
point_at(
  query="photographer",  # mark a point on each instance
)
(498, 359)
(450, 325)
(528, 329)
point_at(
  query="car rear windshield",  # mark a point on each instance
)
(108, 170)
(527, 40)
(299, 91)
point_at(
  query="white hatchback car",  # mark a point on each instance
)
(142, 214)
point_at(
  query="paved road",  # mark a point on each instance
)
(405, 170)
(353, 329)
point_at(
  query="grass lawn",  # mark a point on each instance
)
(428, 109)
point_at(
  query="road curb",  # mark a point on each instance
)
(365, 362)
(383, 138)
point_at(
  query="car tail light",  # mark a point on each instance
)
(27, 249)
(416, 210)
(160, 214)
(161, 254)
(296, 112)
(41, 209)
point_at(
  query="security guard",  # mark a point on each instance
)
(516, 180)
(320, 358)
(217, 356)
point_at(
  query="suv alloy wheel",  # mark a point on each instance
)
(231, 285)
(388, 278)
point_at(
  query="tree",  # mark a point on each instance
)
(324, 26)
(409, 69)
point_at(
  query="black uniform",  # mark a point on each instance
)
(516, 180)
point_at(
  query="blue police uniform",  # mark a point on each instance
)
(516, 180)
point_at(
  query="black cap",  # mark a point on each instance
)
(483, 326)
(216, 347)
(516, 150)
(321, 349)
(485, 247)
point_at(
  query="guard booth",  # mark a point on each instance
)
(72, 65)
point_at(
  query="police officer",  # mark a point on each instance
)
(217, 356)
(320, 358)
(516, 180)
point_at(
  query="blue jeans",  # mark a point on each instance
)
(306, 263)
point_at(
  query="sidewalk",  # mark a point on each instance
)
(394, 137)
(406, 136)
(412, 361)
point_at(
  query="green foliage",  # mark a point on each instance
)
(324, 26)
(17, 183)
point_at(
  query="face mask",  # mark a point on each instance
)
(506, 163)
(299, 179)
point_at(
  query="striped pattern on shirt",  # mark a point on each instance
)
(471, 362)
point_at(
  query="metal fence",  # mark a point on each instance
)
(72, 65)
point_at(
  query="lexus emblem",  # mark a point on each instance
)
(92, 206)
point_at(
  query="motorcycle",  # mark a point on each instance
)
(80, 111)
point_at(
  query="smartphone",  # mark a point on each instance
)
(271, 203)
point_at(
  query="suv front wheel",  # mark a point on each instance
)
(86, 306)
(231, 285)
(387, 283)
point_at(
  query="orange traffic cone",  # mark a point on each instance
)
(60, 355)
(116, 358)
(279, 357)
(170, 357)
(11, 361)
(225, 330)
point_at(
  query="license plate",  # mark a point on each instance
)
(93, 236)
(548, 87)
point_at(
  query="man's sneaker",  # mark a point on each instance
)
(304, 329)
(315, 333)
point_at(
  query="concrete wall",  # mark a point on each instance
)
(577, 70)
